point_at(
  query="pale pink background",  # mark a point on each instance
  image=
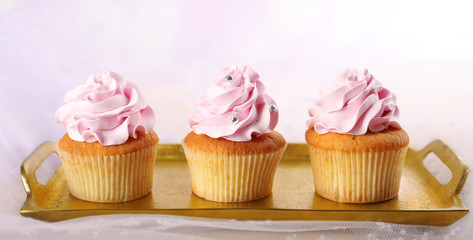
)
(421, 50)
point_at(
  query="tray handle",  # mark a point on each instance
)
(456, 165)
(32, 163)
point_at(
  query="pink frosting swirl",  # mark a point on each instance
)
(236, 107)
(360, 104)
(107, 109)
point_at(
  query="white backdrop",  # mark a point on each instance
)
(421, 50)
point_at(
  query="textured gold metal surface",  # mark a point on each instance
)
(422, 199)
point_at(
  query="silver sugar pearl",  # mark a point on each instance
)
(273, 108)
(229, 78)
(234, 120)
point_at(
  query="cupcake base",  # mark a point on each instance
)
(357, 169)
(357, 177)
(109, 174)
(239, 172)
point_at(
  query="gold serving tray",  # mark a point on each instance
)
(422, 199)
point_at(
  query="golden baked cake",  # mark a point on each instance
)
(357, 169)
(227, 171)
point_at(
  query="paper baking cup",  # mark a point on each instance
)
(232, 178)
(113, 178)
(357, 177)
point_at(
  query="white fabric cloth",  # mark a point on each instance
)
(172, 51)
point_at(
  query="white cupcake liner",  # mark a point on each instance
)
(357, 177)
(112, 178)
(232, 178)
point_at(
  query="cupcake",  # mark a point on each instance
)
(232, 150)
(109, 150)
(356, 144)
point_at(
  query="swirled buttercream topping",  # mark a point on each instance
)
(107, 109)
(236, 107)
(359, 104)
